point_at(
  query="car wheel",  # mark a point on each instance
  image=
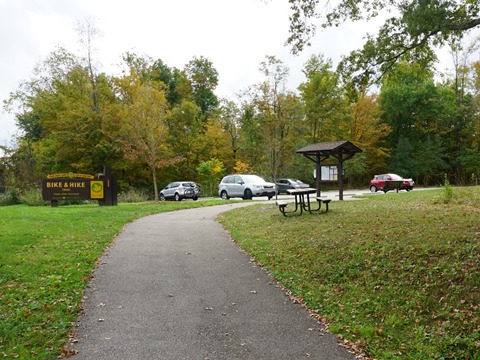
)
(373, 188)
(224, 195)
(248, 194)
(162, 197)
(177, 197)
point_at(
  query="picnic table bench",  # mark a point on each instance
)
(302, 203)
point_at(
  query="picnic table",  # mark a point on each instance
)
(392, 185)
(303, 203)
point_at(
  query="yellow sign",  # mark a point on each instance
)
(70, 175)
(96, 189)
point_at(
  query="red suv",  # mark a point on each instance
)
(387, 182)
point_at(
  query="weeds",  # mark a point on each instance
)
(32, 197)
(133, 196)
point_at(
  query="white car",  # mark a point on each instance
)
(245, 187)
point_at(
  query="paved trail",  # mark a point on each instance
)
(175, 287)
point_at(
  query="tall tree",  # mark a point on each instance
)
(274, 115)
(54, 109)
(178, 86)
(230, 115)
(186, 131)
(367, 131)
(144, 130)
(416, 29)
(325, 106)
(204, 80)
(88, 33)
(417, 110)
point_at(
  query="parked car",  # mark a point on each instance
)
(179, 190)
(378, 182)
(288, 183)
(245, 186)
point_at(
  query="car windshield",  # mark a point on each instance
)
(296, 181)
(252, 179)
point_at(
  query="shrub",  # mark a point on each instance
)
(133, 196)
(11, 197)
(32, 197)
(447, 196)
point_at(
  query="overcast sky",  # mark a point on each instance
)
(235, 35)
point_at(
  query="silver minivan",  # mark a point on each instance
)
(245, 187)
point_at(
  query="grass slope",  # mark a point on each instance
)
(398, 274)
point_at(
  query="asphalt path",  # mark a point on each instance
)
(174, 286)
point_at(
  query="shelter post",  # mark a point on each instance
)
(319, 174)
(340, 176)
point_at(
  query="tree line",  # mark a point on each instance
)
(154, 124)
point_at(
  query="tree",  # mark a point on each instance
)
(230, 115)
(144, 130)
(204, 80)
(88, 33)
(211, 172)
(430, 158)
(61, 129)
(274, 114)
(417, 110)
(366, 130)
(175, 80)
(403, 160)
(416, 29)
(185, 138)
(325, 106)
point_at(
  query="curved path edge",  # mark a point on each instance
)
(174, 286)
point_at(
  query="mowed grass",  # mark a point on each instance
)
(396, 274)
(47, 256)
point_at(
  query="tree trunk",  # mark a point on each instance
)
(154, 178)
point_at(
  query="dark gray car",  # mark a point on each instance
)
(288, 183)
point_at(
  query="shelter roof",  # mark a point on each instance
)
(333, 148)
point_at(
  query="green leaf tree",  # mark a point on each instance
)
(416, 28)
(325, 105)
(275, 114)
(204, 80)
(211, 172)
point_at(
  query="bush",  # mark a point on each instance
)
(11, 197)
(448, 194)
(32, 197)
(133, 196)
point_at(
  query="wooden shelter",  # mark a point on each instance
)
(340, 150)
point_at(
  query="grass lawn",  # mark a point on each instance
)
(47, 256)
(396, 274)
